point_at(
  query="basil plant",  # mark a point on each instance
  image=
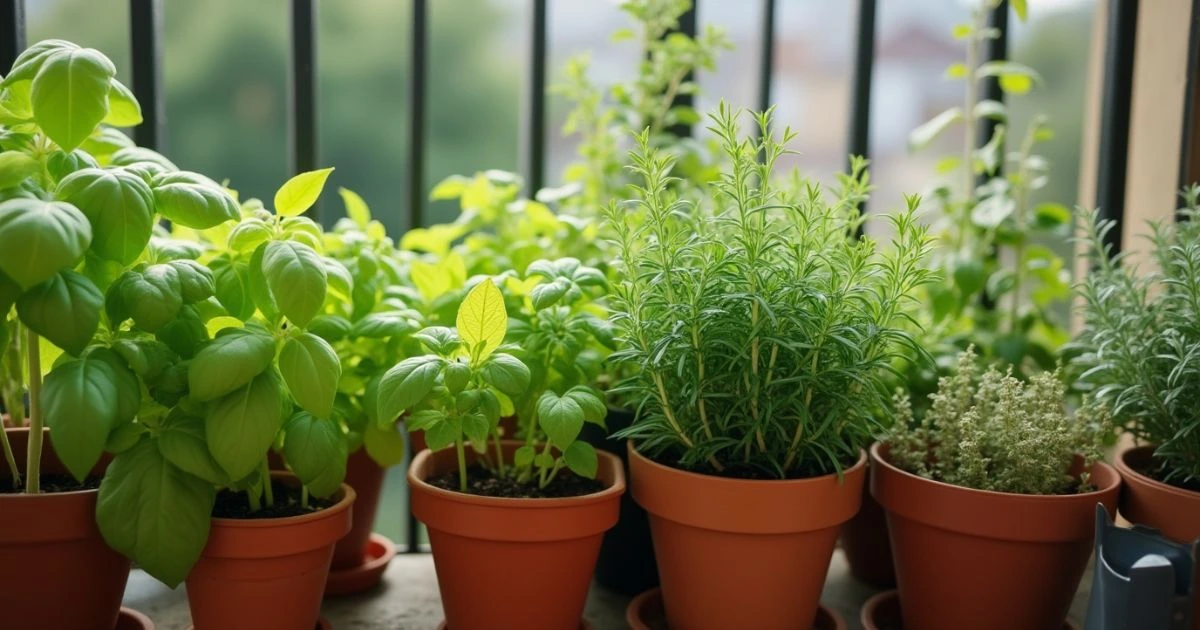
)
(92, 293)
(236, 371)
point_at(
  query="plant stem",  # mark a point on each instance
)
(10, 458)
(462, 463)
(968, 165)
(499, 452)
(304, 496)
(33, 455)
(268, 491)
(1021, 194)
(255, 502)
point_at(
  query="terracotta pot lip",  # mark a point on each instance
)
(345, 492)
(1132, 474)
(877, 457)
(611, 492)
(21, 496)
(735, 481)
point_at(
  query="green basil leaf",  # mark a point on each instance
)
(152, 298)
(195, 280)
(300, 192)
(441, 433)
(119, 206)
(9, 292)
(581, 459)
(523, 456)
(383, 325)
(297, 279)
(259, 288)
(77, 400)
(439, 339)
(129, 391)
(241, 426)
(123, 108)
(591, 402)
(476, 428)
(315, 451)
(311, 369)
(153, 512)
(506, 373)
(30, 61)
(331, 328)
(181, 442)
(232, 287)
(148, 161)
(104, 142)
(61, 164)
(405, 385)
(248, 234)
(65, 310)
(560, 417)
(185, 334)
(15, 167)
(39, 238)
(230, 361)
(385, 445)
(148, 358)
(549, 293)
(457, 376)
(193, 200)
(70, 95)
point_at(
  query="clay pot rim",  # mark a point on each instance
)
(347, 499)
(736, 482)
(1133, 476)
(877, 456)
(21, 496)
(610, 492)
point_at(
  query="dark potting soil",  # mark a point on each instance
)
(231, 504)
(741, 471)
(1158, 472)
(53, 483)
(484, 482)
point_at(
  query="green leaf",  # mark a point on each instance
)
(1013, 77)
(476, 428)
(385, 445)
(148, 159)
(1021, 8)
(506, 373)
(331, 328)
(297, 279)
(78, 404)
(193, 200)
(185, 334)
(549, 293)
(1048, 216)
(40, 238)
(181, 442)
(105, 141)
(543, 460)
(232, 288)
(263, 298)
(9, 292)
(148, 358)
(30, 61)
(590, 401)
(441, 433)
(123, 108)
(356, 208)
(118, 204)
(230, 361)
(124, 437)
(383, 326)
(248, 235)
(154, 513)
(15, 167)
(195, 280)
(300, 192)
(969, 276)
(152, 298)
(560, 417)
(241, 426)
(70, 95)
(581, 459)
(439, 339)
(314, 449)
(482, 320)
(457, 376)
(925, 134)
(311, 369)
(65, 310)
(450, 188)
(523, 456)
(405, 385)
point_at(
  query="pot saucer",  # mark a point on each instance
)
(379, 552)
(130, 619)
(584, 624)
(322, 624)
(646, 612)
(882, 612)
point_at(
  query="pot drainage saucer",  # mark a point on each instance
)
(882, 612)
(379, 552)
(646, 612)
(130, 619)
(583, 625)
(322, 624)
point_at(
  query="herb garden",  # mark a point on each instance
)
(665, 391)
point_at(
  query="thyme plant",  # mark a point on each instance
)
(995, 432)
(759, 327)
(1139, 348)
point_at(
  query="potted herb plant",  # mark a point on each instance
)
(761, 330)
(1139, 350)
(1000, 286)
(991, 499)
(506, 518)
(70, 228)
(234, 371)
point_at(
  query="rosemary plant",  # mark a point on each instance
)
(995, 432)
(1140, 344)
(759, 327)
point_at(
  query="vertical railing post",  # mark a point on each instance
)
(533, 149)
(860, 94)
(766, 55)
(687, 26)
(1188, 155)
(416, 176)
(12, 32)
(146, 45)
(1116, 103)
(996, 50)
(302, 93)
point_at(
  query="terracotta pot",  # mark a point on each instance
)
(267, 574)
(366, 477)
(417, 440)
(645, 612)
(736, 553)
(513, 563)
(55, 569)
(866, 543)
(987, 560)
(1173, 511)
(882, 612)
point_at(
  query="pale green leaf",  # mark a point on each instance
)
(300, 192)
